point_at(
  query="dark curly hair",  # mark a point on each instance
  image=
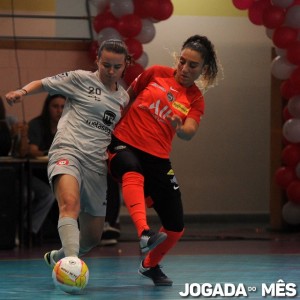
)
(204, 46)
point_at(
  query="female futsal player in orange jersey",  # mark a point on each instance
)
(165, 102)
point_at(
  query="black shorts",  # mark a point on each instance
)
(160, 181)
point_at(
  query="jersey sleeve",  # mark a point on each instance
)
(142, 80)
(61, 83)
(197, 109)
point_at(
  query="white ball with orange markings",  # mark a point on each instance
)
(70, 274)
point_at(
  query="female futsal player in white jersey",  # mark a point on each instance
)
(77, 158)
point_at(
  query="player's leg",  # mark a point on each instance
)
(65, 181)
(66, 190)
(90, 232)
(125, 166)
(166, 199)
(93, 208)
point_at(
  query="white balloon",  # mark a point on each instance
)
(120, 8)
(282, 3)
(108, 33)
(143, 60)
(147, 32)
(292, 17)
(294, 106)
(291, 130)
(281, 68)
(291, 213)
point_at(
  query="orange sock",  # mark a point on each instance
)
(156, 255)
(133, 194)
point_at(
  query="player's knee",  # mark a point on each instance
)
(69, 205)
(123, 163)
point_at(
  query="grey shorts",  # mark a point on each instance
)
(92, 185)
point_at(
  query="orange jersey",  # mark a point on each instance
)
(145, 126)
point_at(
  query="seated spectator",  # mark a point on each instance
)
(41, 132)
(13, 135)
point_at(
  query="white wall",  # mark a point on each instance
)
(225, 169)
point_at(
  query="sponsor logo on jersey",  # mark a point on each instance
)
(181, 107)
(61, 76)
(158, 112)
(109, 117)
(62, 162)
(97, 124)
(158, 86)
(172, 89)
(170, 96)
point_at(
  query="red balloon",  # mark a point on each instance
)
(273, 17)
(93, 50)
(146, 8)
(164, 10)
(295, 78)
(132, 72)
(135, 47)
(286, 114)
(296, 2)
(293, 191)
(293, 53)
(285, 141)
(284, 176)
(255, 11)
(104, 20)
(129, 25)
(285, 89)
(288, 90)
(291, 155)
(284, 36)
(242, 4)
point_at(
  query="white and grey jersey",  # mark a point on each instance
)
(89, 117)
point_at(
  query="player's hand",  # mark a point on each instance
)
(175, 121)
(14, 97)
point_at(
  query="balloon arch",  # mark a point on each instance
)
(132, 21)
(282, 21)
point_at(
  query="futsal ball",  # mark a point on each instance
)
(70, 274)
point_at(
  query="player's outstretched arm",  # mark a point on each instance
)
(16, 96)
